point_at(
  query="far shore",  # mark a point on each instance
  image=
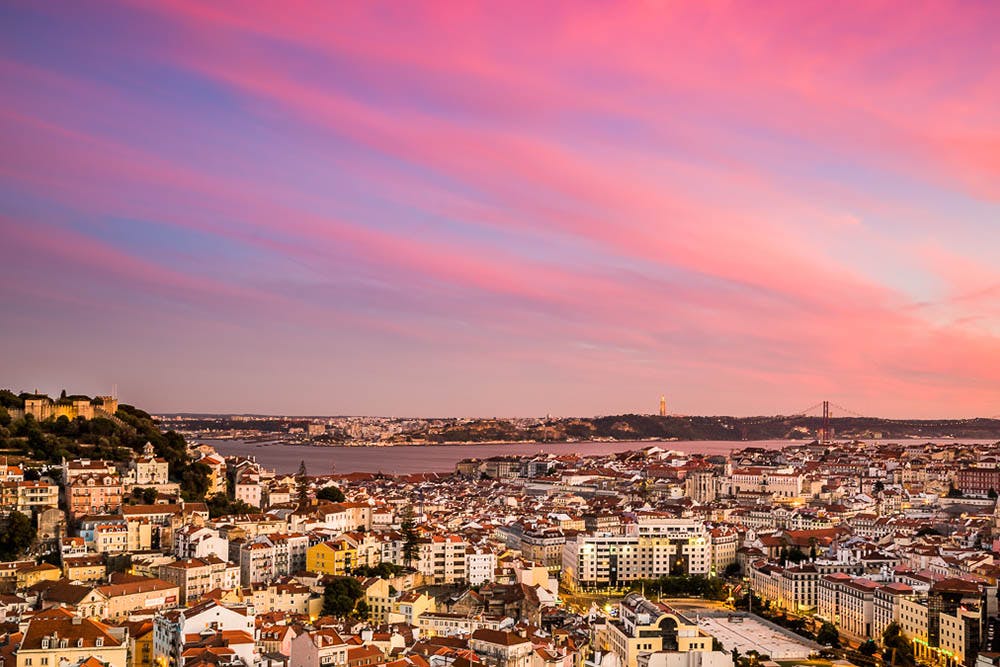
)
(474, 443)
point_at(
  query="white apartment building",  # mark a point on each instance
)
(779, 482)
(651, 547)
(268, 556)
(196, 576)
(497, 648)
(887, 605)
(256, 560)
(480, 566)
(249, 490)
(794, 587)
(170, 628)
(848, 603)
(289, 552)
(433, 624)
(111, 539)
(959, 635)
(913, 616)
(441, 559)
(725, 541)
(199, 542)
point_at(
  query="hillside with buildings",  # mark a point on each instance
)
(359, 430)
(35, 428)
(653, 427)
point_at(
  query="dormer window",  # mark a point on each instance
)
(79, 642)
(99, 642)
(45, 642)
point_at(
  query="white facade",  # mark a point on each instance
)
(195, 542)
(650, 548)
(441, 559)
(170, 628)
(480, 566)
(317, 648)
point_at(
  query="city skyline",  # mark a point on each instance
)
(433, 210)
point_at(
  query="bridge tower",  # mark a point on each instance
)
(825, 434)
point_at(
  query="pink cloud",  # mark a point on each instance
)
(599, 193)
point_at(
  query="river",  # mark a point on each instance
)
(442, 458)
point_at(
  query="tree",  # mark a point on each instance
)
(813, 548)
(991, 494)
(146, 496)
(331, 493)
(384, 570)
(408, 528)
(878, 487)
(953, 492)
(795, 555)
(897, 650)
(302, 484)
(828, 635)
(341, 595)
(868, 648)
(193, 480)
(362, 610)
(732, 570)
(17, 536)
(220, 505)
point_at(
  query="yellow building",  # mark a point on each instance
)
(217, 473)
(644, 626)
(127, 593)
(140, 638)
(336, 558)
(56, 637)
(32, 575)
(378, 598)
(84, 568)
(410, 606)
(41, 407)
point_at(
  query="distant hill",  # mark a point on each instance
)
(654, 427)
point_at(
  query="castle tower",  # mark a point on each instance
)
(663, 406)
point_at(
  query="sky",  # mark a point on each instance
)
(499, 209)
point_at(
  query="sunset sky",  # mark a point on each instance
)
(443, 208)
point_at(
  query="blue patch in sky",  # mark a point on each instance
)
(158, 242)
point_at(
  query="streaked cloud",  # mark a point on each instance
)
(428, 209)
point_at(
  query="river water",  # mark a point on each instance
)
(442, 458)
